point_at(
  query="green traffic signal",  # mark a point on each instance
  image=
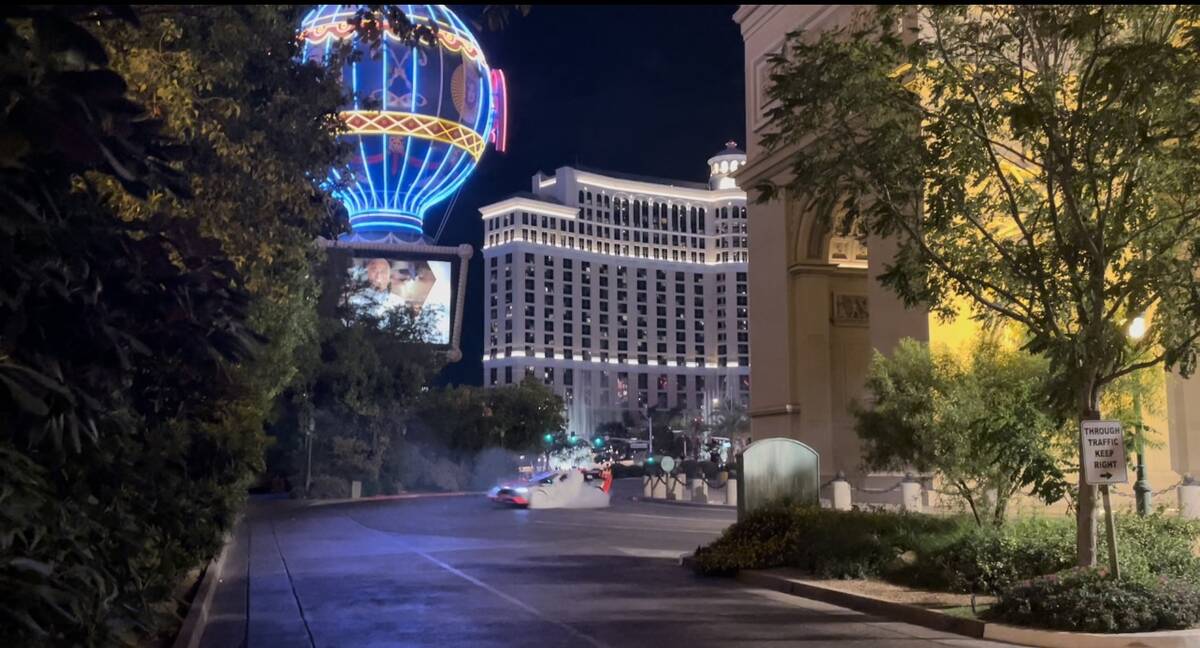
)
(549, 438)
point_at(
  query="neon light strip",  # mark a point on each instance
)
(386, 225)
(447, 38)
(453, 186)
(362, 149)
(373, 122)
(384, 107)
(405, 202)
(388, 216)
(485, 103)
(421, 197)
(412, 93)
(500, 107)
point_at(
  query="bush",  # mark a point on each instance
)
(757, 542)
(329, 487)
(986, 559)
(946, 553)
(1156, 546)
(1090, 601)
(829, 544)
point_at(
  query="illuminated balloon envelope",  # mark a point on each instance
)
(419, 119)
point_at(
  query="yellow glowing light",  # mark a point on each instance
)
(405, 124)
(1137, 328)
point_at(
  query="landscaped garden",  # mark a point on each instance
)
(1026, 564)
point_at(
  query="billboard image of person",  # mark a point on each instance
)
(423, 285)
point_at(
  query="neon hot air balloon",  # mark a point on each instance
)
(420, 118)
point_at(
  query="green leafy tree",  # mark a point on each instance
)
(118, 339)
(1036, 164)
(524, 413)
(980, 425)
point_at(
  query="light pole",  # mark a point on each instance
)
(1141, 488)
(308, 441)
(650, 428)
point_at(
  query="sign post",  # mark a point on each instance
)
(1102, 449)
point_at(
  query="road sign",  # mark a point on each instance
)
(1103, 452)
(668, 464)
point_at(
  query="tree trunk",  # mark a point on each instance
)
(1085, 513)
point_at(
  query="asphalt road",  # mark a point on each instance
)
(459, 572)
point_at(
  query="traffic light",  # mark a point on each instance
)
(548, 438)
(599, 442)
(572, 439)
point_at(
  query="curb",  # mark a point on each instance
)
(969, 627)
(650, 500)
(196, 621)
(869, 604)
(389, 498)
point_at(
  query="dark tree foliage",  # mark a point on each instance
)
(115, 341)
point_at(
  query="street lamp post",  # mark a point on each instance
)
(650, 428)
(1141, 487)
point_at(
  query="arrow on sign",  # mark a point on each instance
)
(1106, 475)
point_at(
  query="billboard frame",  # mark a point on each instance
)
(394, 247)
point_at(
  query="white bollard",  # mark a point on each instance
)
(731, 492)
(699, 490)
(841, 494)
(910, 495)
(1189, 499)
(355, 489)
(679, 485)
(647, 492)
(658, 488)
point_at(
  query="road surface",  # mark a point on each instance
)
(456, 571)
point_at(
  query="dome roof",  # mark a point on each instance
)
(731, 148)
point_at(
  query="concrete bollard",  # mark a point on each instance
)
(355, 489)
(841, 493)
(679, 486)
(731, 492)
(658, 488)
(699, 490)
(1189, 499)
(910, 494)
(647, 491)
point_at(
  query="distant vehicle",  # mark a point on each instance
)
(516, 491)
(519, 492)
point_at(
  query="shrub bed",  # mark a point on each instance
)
(946, 553)
(1086, 600)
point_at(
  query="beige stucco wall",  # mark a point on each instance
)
(806, 368)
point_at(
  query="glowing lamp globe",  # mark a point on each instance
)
(419, 118)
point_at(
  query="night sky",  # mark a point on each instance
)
(652, 90)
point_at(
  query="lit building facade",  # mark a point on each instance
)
(620, 292)
(821, 311)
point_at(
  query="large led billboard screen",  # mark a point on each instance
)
(380, 284)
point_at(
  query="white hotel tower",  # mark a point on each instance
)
(620, 291)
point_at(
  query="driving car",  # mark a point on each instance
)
(516, 491)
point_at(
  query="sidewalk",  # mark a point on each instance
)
(267, 599)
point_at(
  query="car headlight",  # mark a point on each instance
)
(521, 489)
